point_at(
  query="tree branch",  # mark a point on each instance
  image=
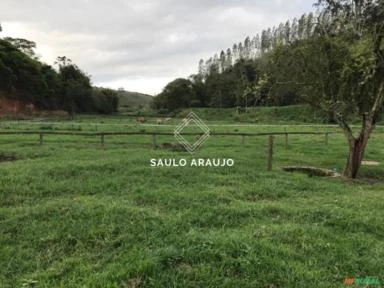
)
(378, 103)
(344, 125)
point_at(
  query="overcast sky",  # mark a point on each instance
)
(140, 45)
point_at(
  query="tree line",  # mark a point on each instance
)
(334, 62)
(258, 45)
(241, 75)
(24, 78)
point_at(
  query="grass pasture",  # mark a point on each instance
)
(75, 214)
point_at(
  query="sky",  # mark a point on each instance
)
(140, 45)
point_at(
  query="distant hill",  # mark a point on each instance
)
(133, 100)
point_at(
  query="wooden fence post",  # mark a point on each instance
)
(286, 140)
(154, 141)
(102, 139)
(326, 138)
(41, 138)
(270, 152)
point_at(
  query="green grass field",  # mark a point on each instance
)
(75, 214)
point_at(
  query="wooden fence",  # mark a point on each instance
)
(154, 135)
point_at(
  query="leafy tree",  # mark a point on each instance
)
(177, 94)
(76, 88)
(200, 98)
(256, 46)
(63, 61)
(208, 66)
(228, 59)
(215, 67)
(247, 48)
(220, 89)
(20, 76)
(301, 27)
(202, 68)
(235, 52)
(294, 30)
(25, 46)
(340, 69)
(105, 100)
(274, 37)
(310, 24)
(24, 78)
(240, 48)
(6, 73)
(51, 98)
(264, 42)
(222, 61)
(281, 33)
(287, 32)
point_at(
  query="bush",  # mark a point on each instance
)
(105, 100)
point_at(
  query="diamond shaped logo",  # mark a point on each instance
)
(191, 119)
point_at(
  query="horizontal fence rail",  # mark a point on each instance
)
(158, 133)
(154, 135)
(102, 134)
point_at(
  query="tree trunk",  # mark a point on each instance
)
(356, 144)
(355, 157)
